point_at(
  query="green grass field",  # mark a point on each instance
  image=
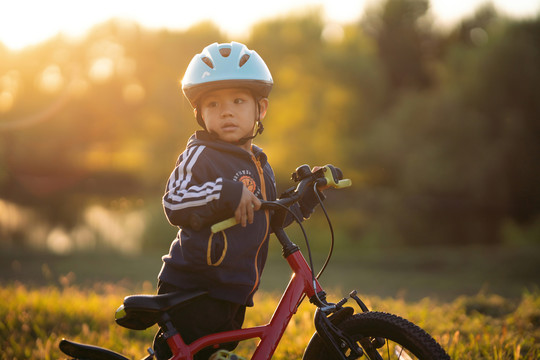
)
(33, 320)
(478, 302)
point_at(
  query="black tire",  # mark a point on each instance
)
(397, 332)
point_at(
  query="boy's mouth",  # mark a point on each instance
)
(229, 126)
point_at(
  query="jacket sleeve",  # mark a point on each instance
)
(194, 188)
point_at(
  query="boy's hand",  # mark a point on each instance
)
(249, 203)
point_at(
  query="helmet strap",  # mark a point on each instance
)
(259, 130)
(199, 118)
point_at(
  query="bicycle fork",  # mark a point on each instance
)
(327, 320)
(335, 339)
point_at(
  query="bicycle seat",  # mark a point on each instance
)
(83, 351)
(139, 312)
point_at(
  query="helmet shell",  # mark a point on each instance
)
(223, 66)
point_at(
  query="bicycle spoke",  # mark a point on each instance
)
(389, 352)
(399, 351)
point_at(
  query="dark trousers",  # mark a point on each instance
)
(202, 317)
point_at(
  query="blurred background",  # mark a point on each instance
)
(433, 111)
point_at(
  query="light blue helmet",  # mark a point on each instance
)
(224, 66)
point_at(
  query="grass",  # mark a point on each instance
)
(483, 326)
(478, 302)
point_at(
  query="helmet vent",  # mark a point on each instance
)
(225, 52)
(208, 62)
(243, 60)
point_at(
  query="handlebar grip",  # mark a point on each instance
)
(334, 178)
(343, 183)
(223, 225)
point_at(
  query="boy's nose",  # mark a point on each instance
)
(226, 111)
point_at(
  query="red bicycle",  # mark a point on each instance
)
(340, 334)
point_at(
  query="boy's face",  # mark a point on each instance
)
(231, 113)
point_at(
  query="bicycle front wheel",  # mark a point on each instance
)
(382, 336)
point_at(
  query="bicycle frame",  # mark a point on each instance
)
(301, 284)
(331, 339)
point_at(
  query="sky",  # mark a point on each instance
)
(27, 22)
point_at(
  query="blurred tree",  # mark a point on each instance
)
(352, 68)
(507, 93)
(439, 131)
(296, 129)
(460, 160)
(472, 31)
(103, 117)
(403, 39)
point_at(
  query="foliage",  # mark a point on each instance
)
(33, 320)
(438, 129)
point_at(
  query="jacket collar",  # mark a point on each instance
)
(202, 137)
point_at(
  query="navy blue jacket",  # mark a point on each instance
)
(208, 181)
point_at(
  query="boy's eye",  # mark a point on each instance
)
(238, 100)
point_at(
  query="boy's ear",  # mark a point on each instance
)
(263, 107)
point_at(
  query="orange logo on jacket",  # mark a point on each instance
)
(248, 182)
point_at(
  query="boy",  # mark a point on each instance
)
(219, 175)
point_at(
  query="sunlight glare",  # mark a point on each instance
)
(51, 79)
(11, 217)
(126, 67)
(333, 33)
(6, 101)
(133, 92)
(114, 227)
(59, 241)
(101, 70)
(27, 22)
(479, 36)
(9, 85)
(83, 238)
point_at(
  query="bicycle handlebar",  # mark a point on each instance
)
(325, 176)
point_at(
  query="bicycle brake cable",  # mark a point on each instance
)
(332, 242)
(310, 257)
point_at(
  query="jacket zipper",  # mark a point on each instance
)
(266, 213)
